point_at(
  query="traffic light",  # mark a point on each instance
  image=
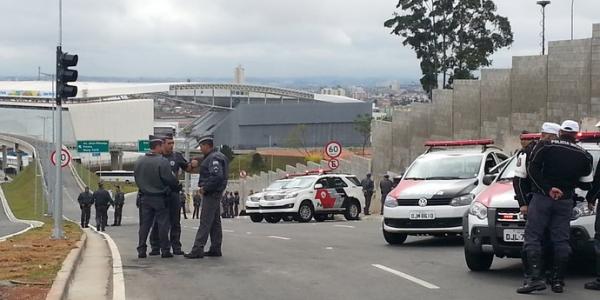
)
(64, 75)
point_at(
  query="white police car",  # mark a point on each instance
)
(313, 196)
(437, 189)
(494, 225)
(252, 203)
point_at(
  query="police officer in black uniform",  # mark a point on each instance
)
(368, 186)
(522, 184)
(386, 186)
(102, 201)
(119, 203)
(156, 182)
(555, 169)
(591, 198)
(177, 163)
(85, 200)
(212, 184)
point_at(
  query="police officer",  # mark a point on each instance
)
(102, 201)
(386, 186)
(236, 203)
(522, 184)
(197, 201)
(177, 163)
(156, 182)
(85, 200)
(368, 187)
(182, 198)
(212, 183)
(554, 170)
(119, 203)
(591, 198)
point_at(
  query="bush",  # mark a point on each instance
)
(314, 157)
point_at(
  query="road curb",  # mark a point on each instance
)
(11, 217)
(60, 286)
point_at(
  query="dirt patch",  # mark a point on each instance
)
(32, 260)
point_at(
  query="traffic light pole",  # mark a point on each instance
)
(57, 232)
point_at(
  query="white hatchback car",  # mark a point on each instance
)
(252, 203)
(437, 189)
(313, 196)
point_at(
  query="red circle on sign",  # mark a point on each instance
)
(333, 164)
(333, 149)
(243, 174)
(65, 158)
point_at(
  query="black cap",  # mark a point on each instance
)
(154, 138)
(205, 138)
(168, 136)
(386, 176)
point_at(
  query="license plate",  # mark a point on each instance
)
(422, 215)
(514, 235)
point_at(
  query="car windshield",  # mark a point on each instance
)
(509, 171)
(277, 185)
(446, 167)
(300, 182)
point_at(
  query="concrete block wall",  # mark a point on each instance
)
(595, 72)
(441, 115)
(467, 109)
(495, 102)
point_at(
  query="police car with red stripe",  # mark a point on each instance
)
(437, 189)
(317, 194)
(494, 225)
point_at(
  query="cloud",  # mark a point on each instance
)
(271, 38)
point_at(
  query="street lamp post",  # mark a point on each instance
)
(543, 4)
(572, 7)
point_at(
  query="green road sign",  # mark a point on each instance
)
(144, 146)
(92, 146)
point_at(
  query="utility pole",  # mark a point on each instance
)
(543, 4)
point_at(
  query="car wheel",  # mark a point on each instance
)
(305, 212)
(478, 261)
(256, 218)
(287, 218)
(394, 238)
(352, 211)
(273, 219)
(320, 217)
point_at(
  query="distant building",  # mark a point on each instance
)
(333, 91)
(239, 76)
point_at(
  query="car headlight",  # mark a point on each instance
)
(390, 202)
(254, 199)
(479, 210)
(462, 200)
(581, 210)
(292, 195)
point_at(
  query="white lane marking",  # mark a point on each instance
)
(328, 248)
(278, 237)
(344, 226)
(248, 232)
(407, 277)
(228, 230)
(190, 227)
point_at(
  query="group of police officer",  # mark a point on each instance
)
(158, 198)
(101, 200)
(548, 171)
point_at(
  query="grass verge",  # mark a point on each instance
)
(24, 195)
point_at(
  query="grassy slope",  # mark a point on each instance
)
(21, 197)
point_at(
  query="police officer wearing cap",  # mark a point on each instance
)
(212, 184)
(592, 198)
(177, 163)
(85, 200)
(522, 184)
(555, 170)
(386, 186)
(119, 203)
(156, 182)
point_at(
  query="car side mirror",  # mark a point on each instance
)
(488, 179)
(318, 186)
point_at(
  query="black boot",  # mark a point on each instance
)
(558, 274)
(534, 282)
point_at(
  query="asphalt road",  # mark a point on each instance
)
(6, 226)
(330, 260)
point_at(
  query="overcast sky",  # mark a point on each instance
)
(271, 38)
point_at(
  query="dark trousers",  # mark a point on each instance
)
(383, 196)
(183, 210)
(85, 215)
(153, 210)
(210, 224)
(368, 196)
(236, 209)
(597, 240)
(196, 211)
(101, 217)
(174, 229)
(545, 213)
(118, 214)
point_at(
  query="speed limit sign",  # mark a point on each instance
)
(333, 149)
(243, 174)
(333, 164)
(65, 157)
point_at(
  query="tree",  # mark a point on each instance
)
(362, 124)
(297, 139)
(452, 37)
(257, 164)
(226, 150)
